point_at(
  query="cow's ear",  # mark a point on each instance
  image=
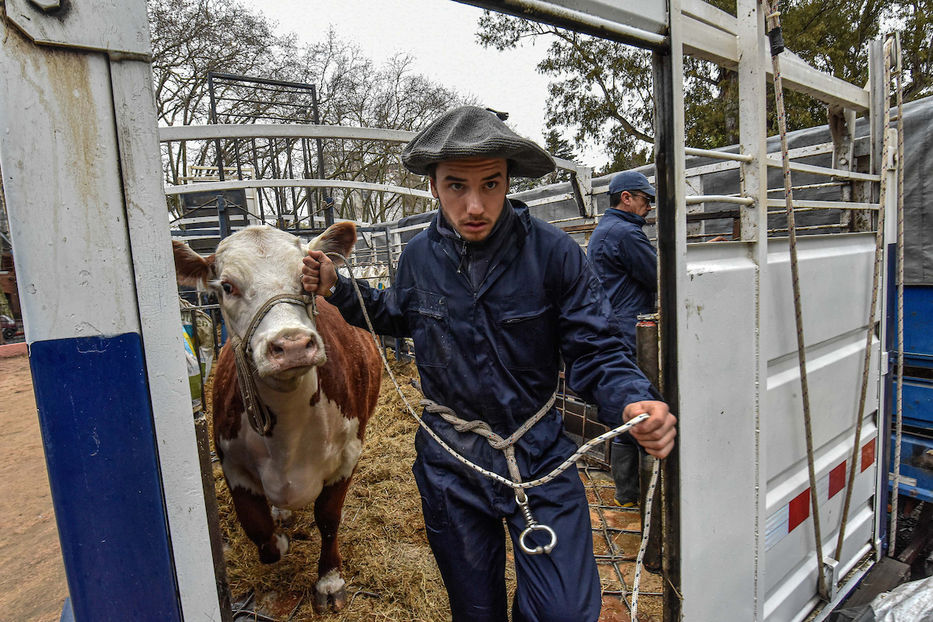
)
(338, 238)
(190, 268)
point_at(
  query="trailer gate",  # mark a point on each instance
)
(120, 445)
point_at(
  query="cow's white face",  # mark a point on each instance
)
(250, 267)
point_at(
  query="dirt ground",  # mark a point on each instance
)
(32, 578)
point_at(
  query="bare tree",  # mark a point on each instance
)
(194, 37)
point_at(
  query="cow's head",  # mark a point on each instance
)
(248, 269)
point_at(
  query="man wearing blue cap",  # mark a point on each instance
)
(627, 266)
(494, 300)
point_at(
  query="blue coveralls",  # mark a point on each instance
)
(492, 352)
(627, 266)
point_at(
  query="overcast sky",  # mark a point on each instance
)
(440, 36)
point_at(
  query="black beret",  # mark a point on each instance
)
(473, 132)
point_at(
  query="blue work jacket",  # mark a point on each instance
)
(493, 352)
(627, 266)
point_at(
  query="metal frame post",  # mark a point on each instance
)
(101, 318)
(670, 164)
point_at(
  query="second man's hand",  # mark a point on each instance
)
(318, 274)
(656, 434)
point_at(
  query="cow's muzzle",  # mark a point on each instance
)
(256, 411)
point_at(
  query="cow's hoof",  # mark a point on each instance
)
(282, 517)
(271, 552)
(330, 593)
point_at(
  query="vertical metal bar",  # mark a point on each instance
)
(289, 146)
(116, 426)
(213, 119)
(648, 352)
(667, 68)
(329, 209)
(753, 131)
(260, 192)
(863, 220)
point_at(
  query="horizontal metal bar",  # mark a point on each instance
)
(295, 183)
(719, 198)
(828, 184)
(279, 130)
(708, 14)
(801, 77)
(709, 38)
(775, 162)
(229, 131)
(823, 205)
(718, 155)
(531, 8)
(809, 228)
(709, 42)
(230, 77)
(546, 200)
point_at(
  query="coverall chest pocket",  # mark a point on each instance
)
(526, 339)
(431, 329)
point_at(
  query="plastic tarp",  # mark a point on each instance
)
(910, 602)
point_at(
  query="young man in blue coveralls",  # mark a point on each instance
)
(627, 266)
(493, 300)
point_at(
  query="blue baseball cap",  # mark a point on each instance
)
(631, 180)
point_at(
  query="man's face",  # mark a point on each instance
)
(472, 194)
(636, 202)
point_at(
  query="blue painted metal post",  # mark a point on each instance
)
(81, 176)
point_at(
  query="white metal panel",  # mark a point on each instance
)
(835, 290)
(717, 432)
(70, 131)
(166, 369)
(835, 378)
(105, 25)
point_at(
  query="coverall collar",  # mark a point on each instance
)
(629, 216)
(481, 263)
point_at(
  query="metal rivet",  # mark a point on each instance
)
(47, 5)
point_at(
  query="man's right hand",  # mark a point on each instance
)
(318, 274)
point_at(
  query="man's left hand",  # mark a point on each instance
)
(656, 433)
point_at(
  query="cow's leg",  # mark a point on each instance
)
(329, 591)
(252, 510)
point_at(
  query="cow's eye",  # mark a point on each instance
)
(228, 287)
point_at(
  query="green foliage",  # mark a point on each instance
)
(600, 92)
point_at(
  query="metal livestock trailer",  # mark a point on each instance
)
(111, 383)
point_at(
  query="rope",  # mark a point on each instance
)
(505, 445)
(495, 476)
(870, 332)
(777, 46)
(655, 470)
(899, 413)
(516, 484)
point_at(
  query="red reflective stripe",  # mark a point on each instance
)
(837, 479)
(868, 454)
(798, 510)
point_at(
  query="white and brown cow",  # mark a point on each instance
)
(318, 379)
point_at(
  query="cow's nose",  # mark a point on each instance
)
(292, 351)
